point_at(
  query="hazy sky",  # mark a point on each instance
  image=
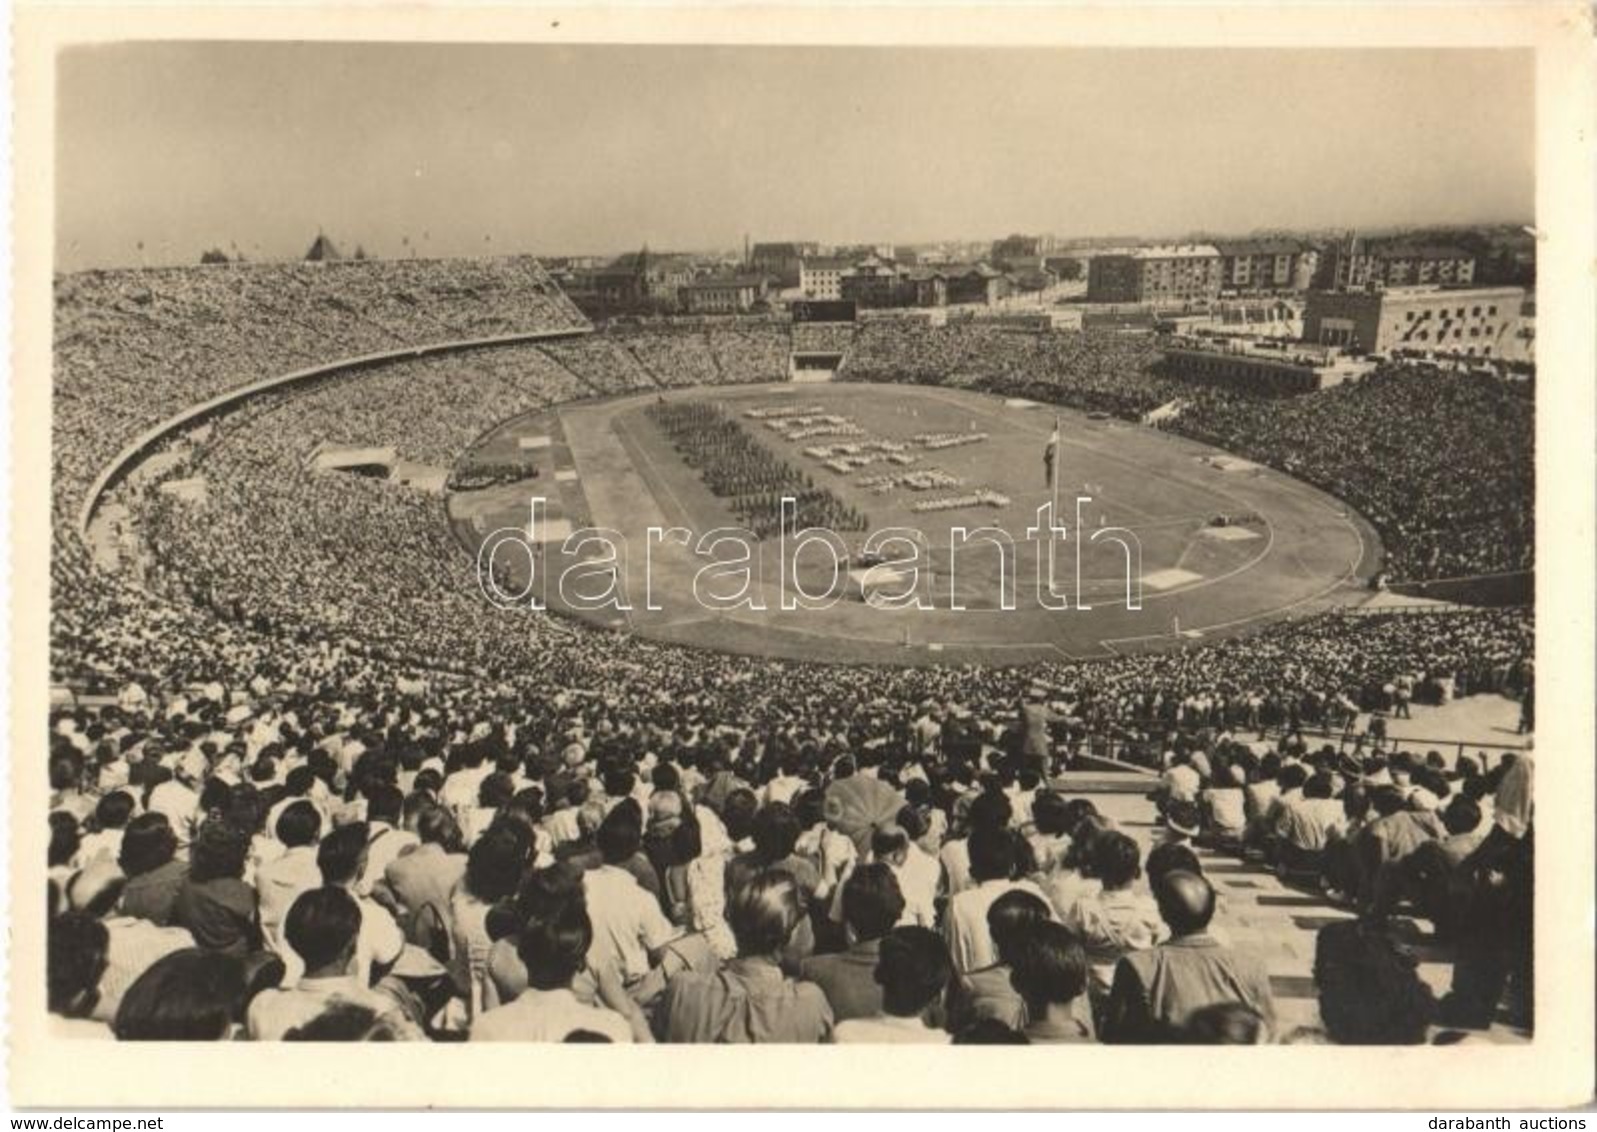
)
(596, 149)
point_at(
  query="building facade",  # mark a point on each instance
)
(1182, 273)
(729, 295)
(1467, 322)
(821, 277)
(782, 260)
(1264, 266)
(1351, 265)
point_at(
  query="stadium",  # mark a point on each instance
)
(272, 487)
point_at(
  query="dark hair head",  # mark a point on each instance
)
(342, 1021)
(147, 844)
(1225, 1024)
(186, 996)
(1011, 917)
(763, 912)
(737, 813)
(1169, 857)
(990, 1032)
(219, 851)
(495, 790)
(1050, 813)
(1387, 801)
(1050, 966)
(872, 901)
(1463, 815)
(776, 831)
(554, 947)
(620, 834)
(993, 853)
(299, 781)
(1293, 777)
(1116, 860)
(385, 803)
(1186, 901)
(76, 948)
(114, 810)
(889, 841)
(913, 969)
(65, 838)
(341, 853)
(322, 925)
(1318, 785)
(495, 863)
(990, 810)
(300, 823)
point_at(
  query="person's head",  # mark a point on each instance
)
(990, 810)
(1319, 785)
(219, 851)
(385, 803)
(1463, 815)
(1116, 860)
(913, 969)
(76, 948)
(342, 1021)
(147, 844)
(620, 834)
(737, 813)
(495, 790)
(1050, 813)
(495, 863)
(65, 839)
(114, 810)
(776, 832)
(187, 996)
(1170, 857)
(993, 853)
(990, 1032)
(1293, 776)
(1387, 801)
(321, 927)
(96, 889)
(1225, 1024)
(1049, 968)
(435, 825)
(1010, 919)
(342, 853)
(1186, 902)
(554, 946)
(872, 902)
(890, 843)
(763, 912)
(299, 824)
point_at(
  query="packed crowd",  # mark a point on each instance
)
(383, 865)
(1440, 463)
(335, 794)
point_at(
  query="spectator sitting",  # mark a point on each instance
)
(1117, 919)
(917, 873)
(187, 996)
(154, 873)
(1155, 992)
(554, 950)
(872, 905)
(913, 972)
(215, 904)
(987, 992)
(1050, 974)
(994, 867)
(750, 1000)
(322, 927)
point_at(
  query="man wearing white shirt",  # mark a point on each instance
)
(993, 865)
(918, 874)
(628, 925)
(554, 950)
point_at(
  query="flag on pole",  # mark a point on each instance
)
(1048, 454)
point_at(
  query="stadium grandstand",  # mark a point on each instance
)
(289, 730)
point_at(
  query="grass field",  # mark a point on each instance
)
(1290, 550)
